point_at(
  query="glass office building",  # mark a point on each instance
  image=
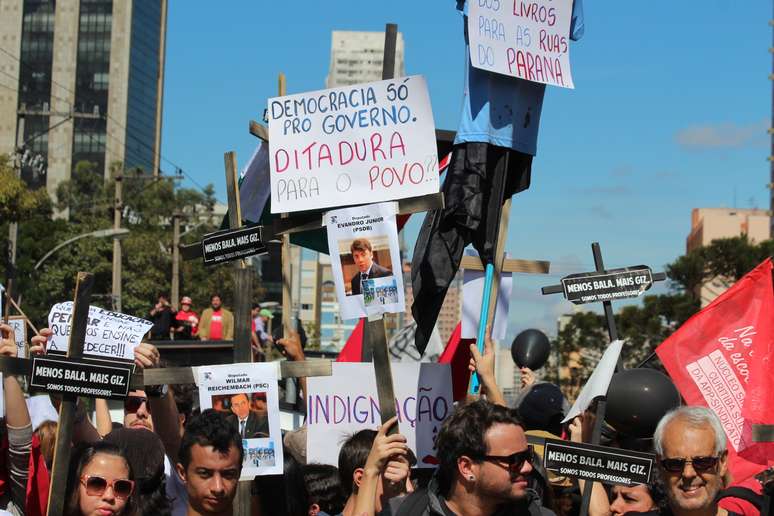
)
(86, 77)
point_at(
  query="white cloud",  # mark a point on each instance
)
(719, 136)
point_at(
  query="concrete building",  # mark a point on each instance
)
(356, 57)
(93, 72)
(708, 224)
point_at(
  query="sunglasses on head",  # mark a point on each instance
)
(677, 464)
(96, 486)
(133, 403)
(514, 461)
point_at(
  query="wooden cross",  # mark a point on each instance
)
(613, 333)
(62, 446)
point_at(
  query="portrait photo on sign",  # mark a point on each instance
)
(365, 260)
(247, 412)
(248, 395)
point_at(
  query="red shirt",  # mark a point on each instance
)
(216, 325)
(189, 317)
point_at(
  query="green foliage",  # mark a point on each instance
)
(17, 202)
(148, 209)
(646, 325)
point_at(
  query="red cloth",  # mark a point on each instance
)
(353, 349)
(457, 354)
(37, 481)
(710, 359)
(191, 317)
(216, 325)
(740, 506)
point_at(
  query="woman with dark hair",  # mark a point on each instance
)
(100, 482)
(144, 451)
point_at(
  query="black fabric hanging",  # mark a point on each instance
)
(479, 179)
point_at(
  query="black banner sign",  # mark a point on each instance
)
(81, 377)
(591, 287)
(233, 244)
(598, 463)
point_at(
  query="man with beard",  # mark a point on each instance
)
(216, 323)
(485, 466)
(691, 448)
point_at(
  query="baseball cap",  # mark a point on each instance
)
(265, 312)
(186, 301)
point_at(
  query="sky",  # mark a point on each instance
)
(669, 113)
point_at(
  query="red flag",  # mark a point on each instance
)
(353, 349)
(457, 354)
(710, 359)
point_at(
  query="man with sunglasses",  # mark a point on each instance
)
(485, 466)
(691, 448)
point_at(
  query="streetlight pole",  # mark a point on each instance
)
(117, 210)
(100, 233)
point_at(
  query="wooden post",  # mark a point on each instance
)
(243, 288)
(287, 306)
(374, 337)
(62, 447)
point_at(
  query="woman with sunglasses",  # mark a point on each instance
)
(100, 482)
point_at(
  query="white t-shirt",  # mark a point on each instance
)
(176, 491)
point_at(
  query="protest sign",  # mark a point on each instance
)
(233, 244)
(598, 382)
(365, 260)
(528, 40)
(81, 377)
(342, 404)
(108, 334)
(248, 394)
(592, 287)
(598, 463)
(19, 325)
(472, 291)
(355, 144)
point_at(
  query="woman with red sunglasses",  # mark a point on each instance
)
(100, 482)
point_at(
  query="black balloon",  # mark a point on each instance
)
(530, 349)
(637, 399)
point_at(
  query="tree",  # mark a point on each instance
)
(17, 201)
(645, 326)
(149, 205)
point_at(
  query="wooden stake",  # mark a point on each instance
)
(64, 431)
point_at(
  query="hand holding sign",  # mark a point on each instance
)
(7, 342)
(39, 342)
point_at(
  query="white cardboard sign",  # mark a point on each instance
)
(472, 292)
(352, 145)
(19, 325)
(347, 402)
(108, 334)
(598, 382)
(528, 40)
(248, 393)
(368, 282)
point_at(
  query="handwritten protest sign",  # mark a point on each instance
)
(342, 404)
(352, 145)
(525, 39)
(248, 394)
(19, 325)
(108, 334)
(365, 260)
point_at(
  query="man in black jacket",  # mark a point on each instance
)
(485, 467)
(363, 255)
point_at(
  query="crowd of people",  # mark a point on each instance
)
(168, 458)
(216, 322)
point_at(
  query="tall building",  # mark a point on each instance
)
(708, 224)
(86, 77)
(356, 57)
(451, 310)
